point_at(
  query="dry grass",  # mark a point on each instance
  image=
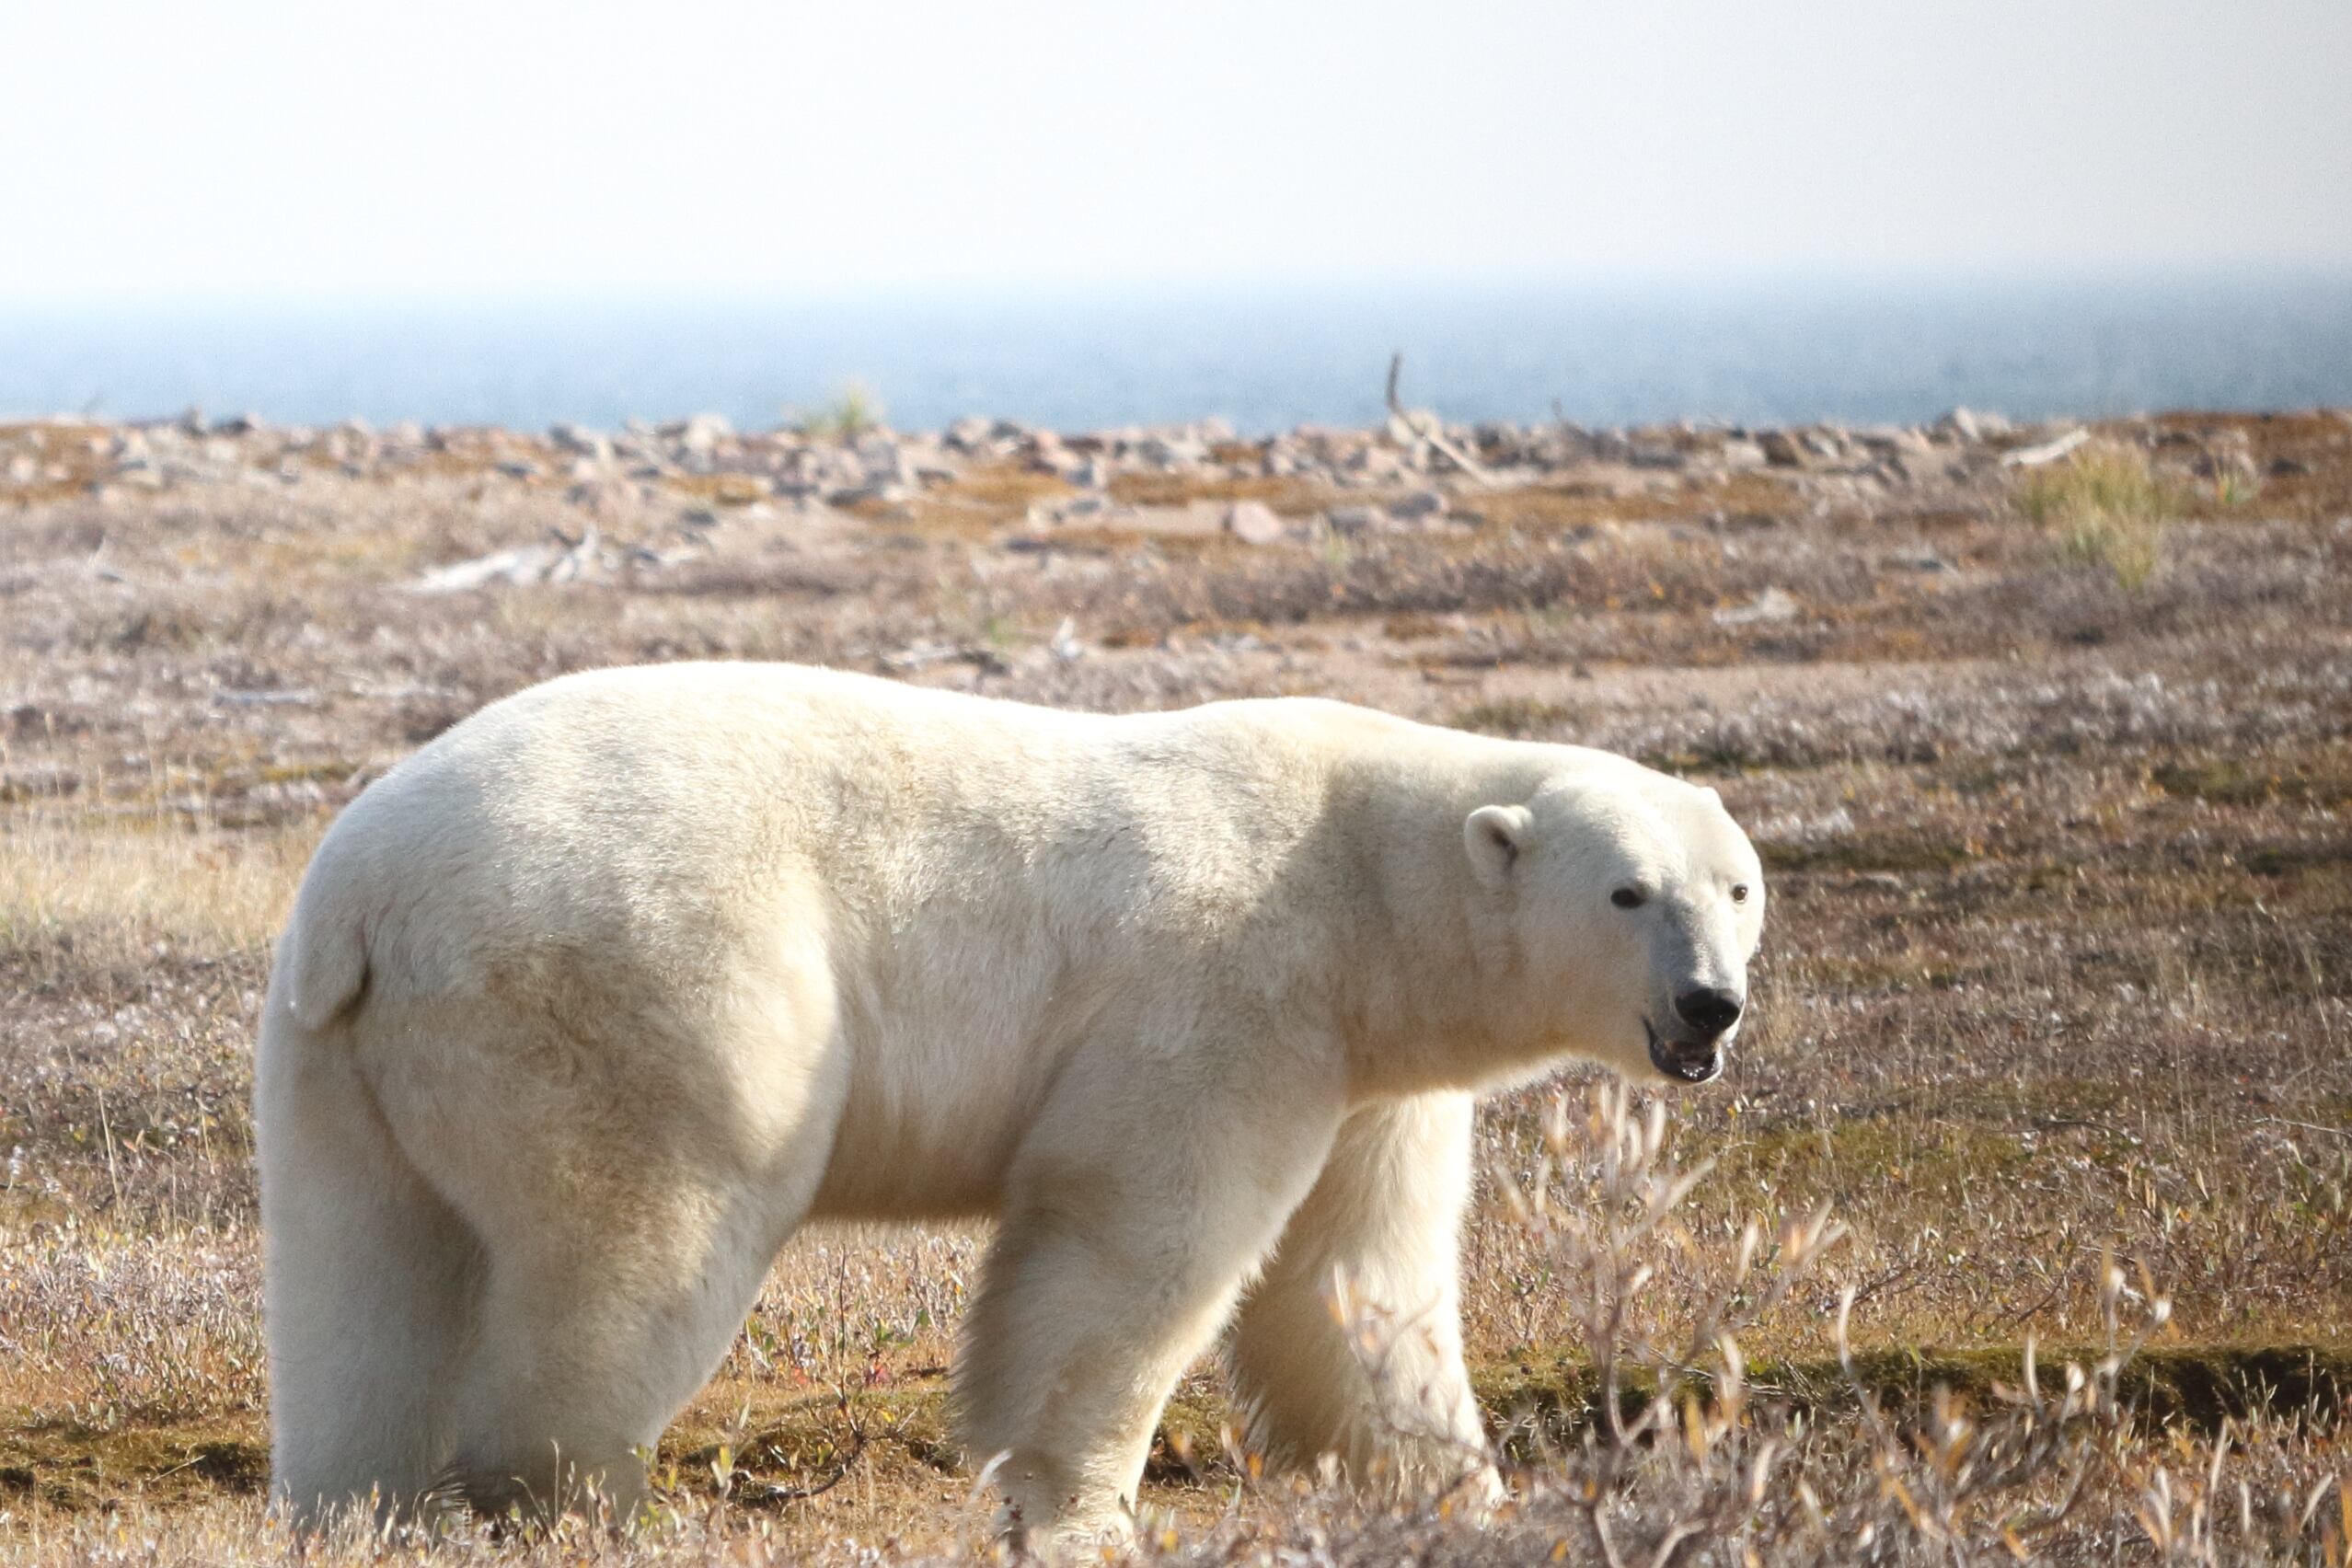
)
(2057, 971)
(2104, 507)
(116, 890)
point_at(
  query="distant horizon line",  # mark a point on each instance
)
(1629, 282)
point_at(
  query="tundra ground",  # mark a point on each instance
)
(2053, 771)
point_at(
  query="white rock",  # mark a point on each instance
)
(1973, 425)
(701, 434)
(564, 561)
(2047, 452)
(1254, 523)
(1772, 605)
(525, 565)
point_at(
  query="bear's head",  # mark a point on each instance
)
(1635, 902)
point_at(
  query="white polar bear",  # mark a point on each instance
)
(583, 1008)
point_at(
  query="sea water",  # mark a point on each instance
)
(1748, 350)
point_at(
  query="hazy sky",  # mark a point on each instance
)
(254, 148)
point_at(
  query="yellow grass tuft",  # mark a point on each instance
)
(123, 888)
(2104, 507)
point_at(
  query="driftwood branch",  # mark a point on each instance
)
(1423, 425)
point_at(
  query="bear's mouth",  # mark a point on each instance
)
(1685, 1061)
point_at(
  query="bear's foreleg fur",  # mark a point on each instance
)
(1349, 1344)
(1132, 1222)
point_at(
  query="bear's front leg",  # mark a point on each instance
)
(1351, 1343)
(1142, 1201)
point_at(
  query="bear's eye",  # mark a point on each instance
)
(1739, 892)
(1627, 898)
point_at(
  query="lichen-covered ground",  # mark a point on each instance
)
(2051, 762)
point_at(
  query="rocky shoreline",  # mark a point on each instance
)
(651, 496)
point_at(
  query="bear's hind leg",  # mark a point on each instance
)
(371, 1284)
(579, 1366)
(630, 1175)
(1383, 1220)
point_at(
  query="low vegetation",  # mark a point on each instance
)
(2104, 507)
(2050, 1068)
(851, 412)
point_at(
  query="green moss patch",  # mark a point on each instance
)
(2196, 1387)
(1866, 852)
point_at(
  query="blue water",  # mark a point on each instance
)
(1756, 351)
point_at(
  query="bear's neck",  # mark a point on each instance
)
(1431, 993)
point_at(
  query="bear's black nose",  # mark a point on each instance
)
(1706, 1010)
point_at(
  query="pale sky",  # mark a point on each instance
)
(267, 148)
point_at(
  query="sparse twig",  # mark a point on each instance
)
(1425, 427)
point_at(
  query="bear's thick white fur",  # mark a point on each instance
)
(583, 1008)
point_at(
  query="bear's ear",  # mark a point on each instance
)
(1495, 836)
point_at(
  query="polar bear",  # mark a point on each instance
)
(585, 1006)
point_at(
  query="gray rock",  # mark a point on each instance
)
(1172, 451)
(855, 495)
(1889, 440)
(1418, 504)
(577, 438)
(885, 462)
